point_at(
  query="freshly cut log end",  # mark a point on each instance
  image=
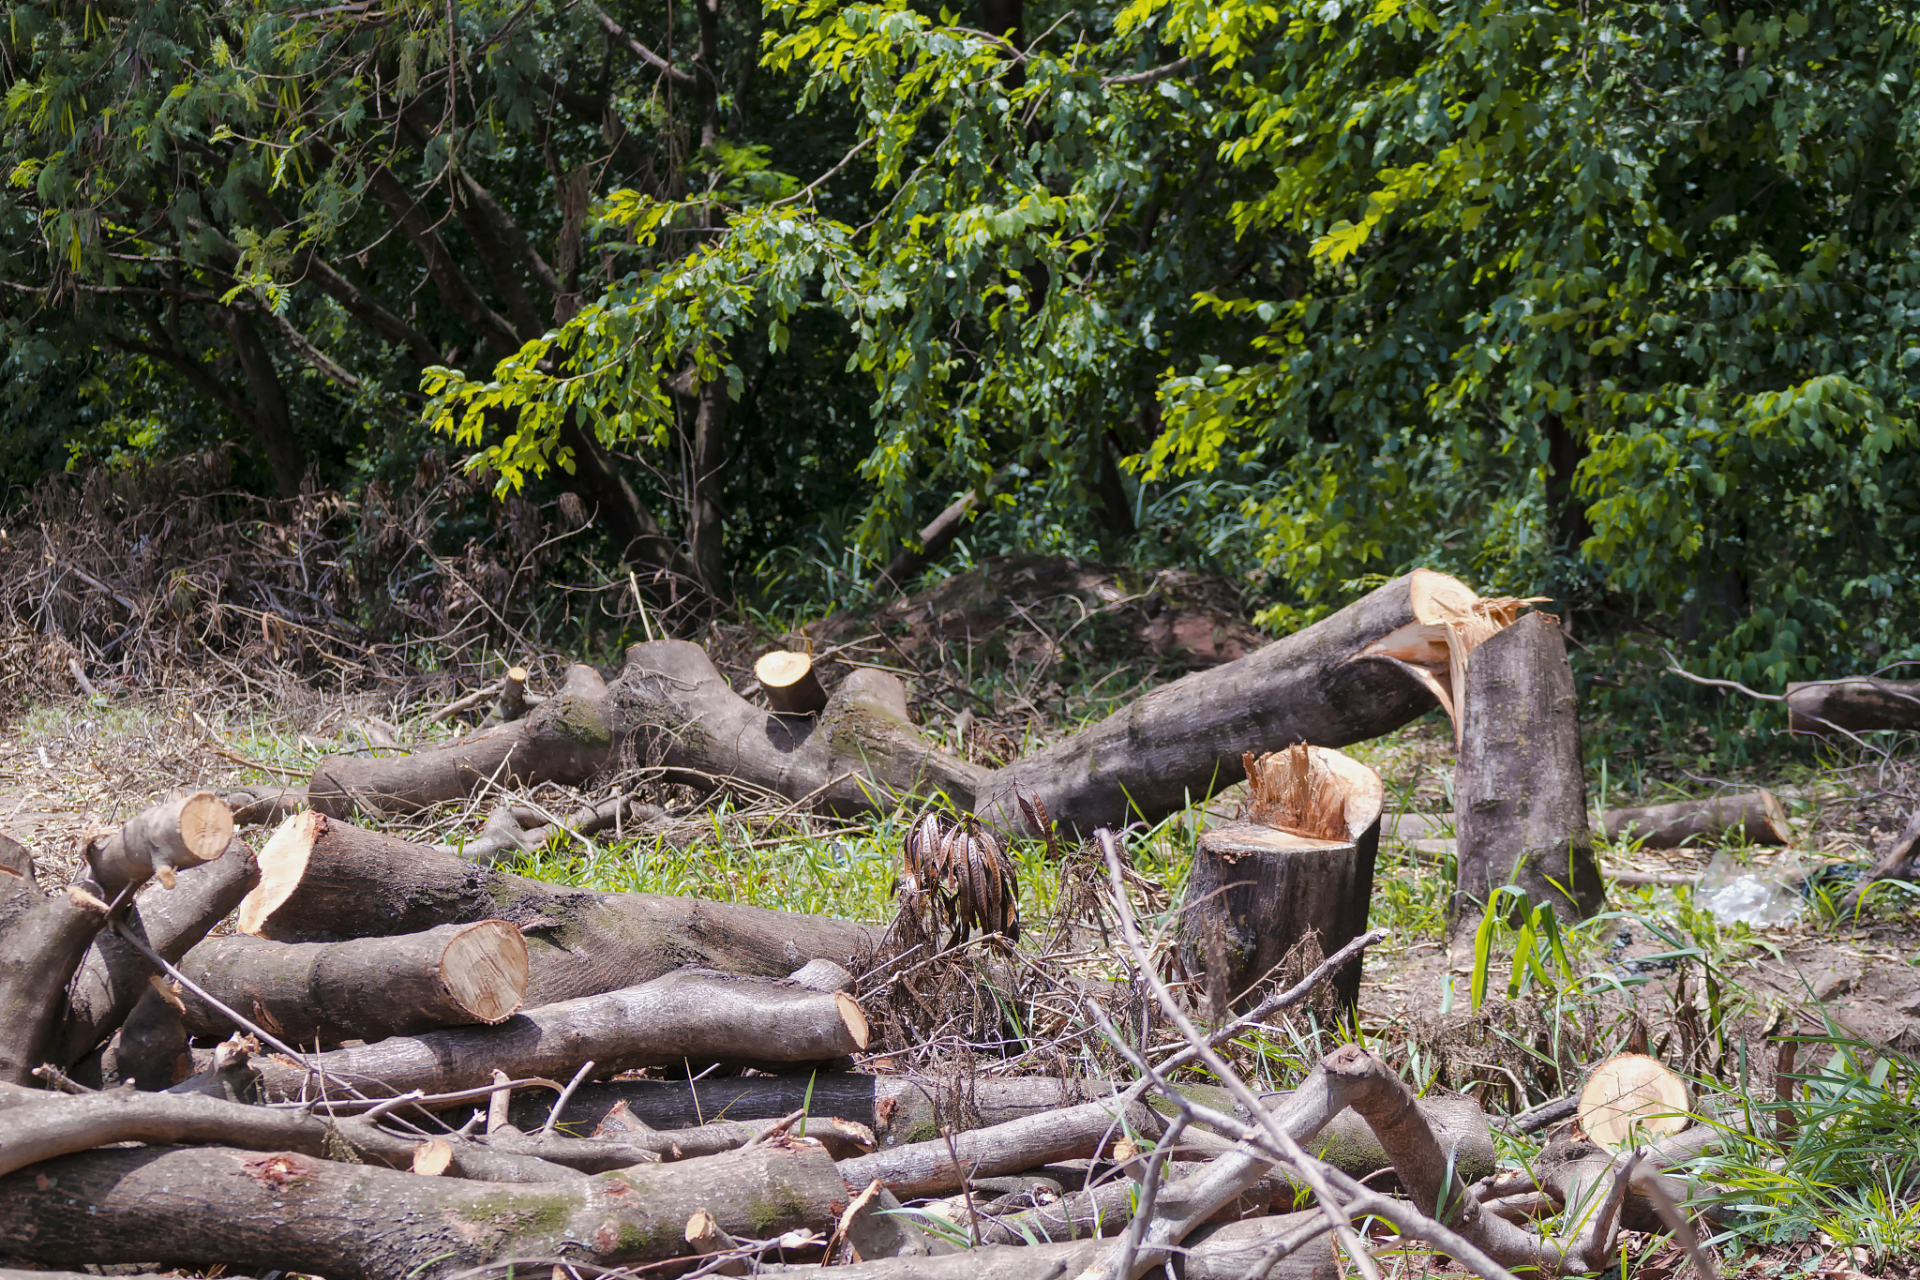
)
(792, 687)
(363, 988)
(1861, 704)
(1757, 816)
(1303, 865)
(283, 864)
(854, 1018)
(168, 838)
(1632, 1099)
(1450, 622)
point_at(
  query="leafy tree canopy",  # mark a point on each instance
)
(1605, 301)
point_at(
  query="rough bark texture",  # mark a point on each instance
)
(1857, 705)
(160, 842)
(1758, 816)
(205, 1206)
(694, 1016)
(42, 942)
(150, 1050)
(1520, 804)
(565, 739)
(680, 714)
(1183, 741)
(113, 976)
(355, 883)
(364, 989)
(941, 1165)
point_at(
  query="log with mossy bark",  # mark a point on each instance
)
(671, 709)
(285, 1211)
(694, 1016)
(324, 880)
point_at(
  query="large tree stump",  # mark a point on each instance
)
(363, 989)
(323, 880)
(1858, 704)
(1302, 863)
(695, 1016)
(208, 1206)
(1758, 816)
(1520, 788)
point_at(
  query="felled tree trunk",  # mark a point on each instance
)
(160, 842)
(42, 941)
(323, 880)
(1302, 863)
(941, 1165)
(114, 976)
(692, 1017)
(565, 739)
(1520, 802)
(1901, 861)
(1758, 816)
(207, 1206)
(363, 989)
(1859, 704)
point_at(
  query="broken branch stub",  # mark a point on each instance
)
(1302, 863)
(1520, 791)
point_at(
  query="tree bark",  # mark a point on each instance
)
(1304, 865)
(1520, 804)
(150, 1050)
(942, 1165)
(113, 976)
(364, 989)
(42, 942)
(206, 1206)
(565, 739)
(706, 524)
(331, 881)
(695, 1016)
(271, 422)
(1758, 816)
(1860, 704)
(790, 684)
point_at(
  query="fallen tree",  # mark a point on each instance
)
(1756, 816)
(670, 708)
(1857, 704)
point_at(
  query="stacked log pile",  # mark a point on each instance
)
(404, 1062)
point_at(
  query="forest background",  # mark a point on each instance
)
(1611, 303)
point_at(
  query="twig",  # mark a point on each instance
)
(566, 1095)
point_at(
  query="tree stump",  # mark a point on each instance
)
(1520, 790)
(1301, 863)
(791, 686)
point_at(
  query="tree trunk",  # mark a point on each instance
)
(114, 976)
(329, 881)
(270, 420)
(630, 524)
(696, 1016)
(1757, 816)
(942, 1165)
(1859, 704)
(564, 740)
(1520, 801)
(365, 989)
(1303, 865)
(706, 524)
(208, 1206)
(42, 942)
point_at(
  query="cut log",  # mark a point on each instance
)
(1520, 788)
(206, 1206)
(326, 881)
(843, 1139)
(365, 989)
(565, 740)
(1301, 864)
(114, 976)
(159, 842)
(942, 1165)
(42, 942)
(1633, 1099)
(790, 684)
(695, 1016)
(150, 1049)
(265, 805)
(1901, 861)
(510, 703)
(1758, 817)
(1858, 704)
(1229, 1251)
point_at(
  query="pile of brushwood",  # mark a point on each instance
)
(404, 1061)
